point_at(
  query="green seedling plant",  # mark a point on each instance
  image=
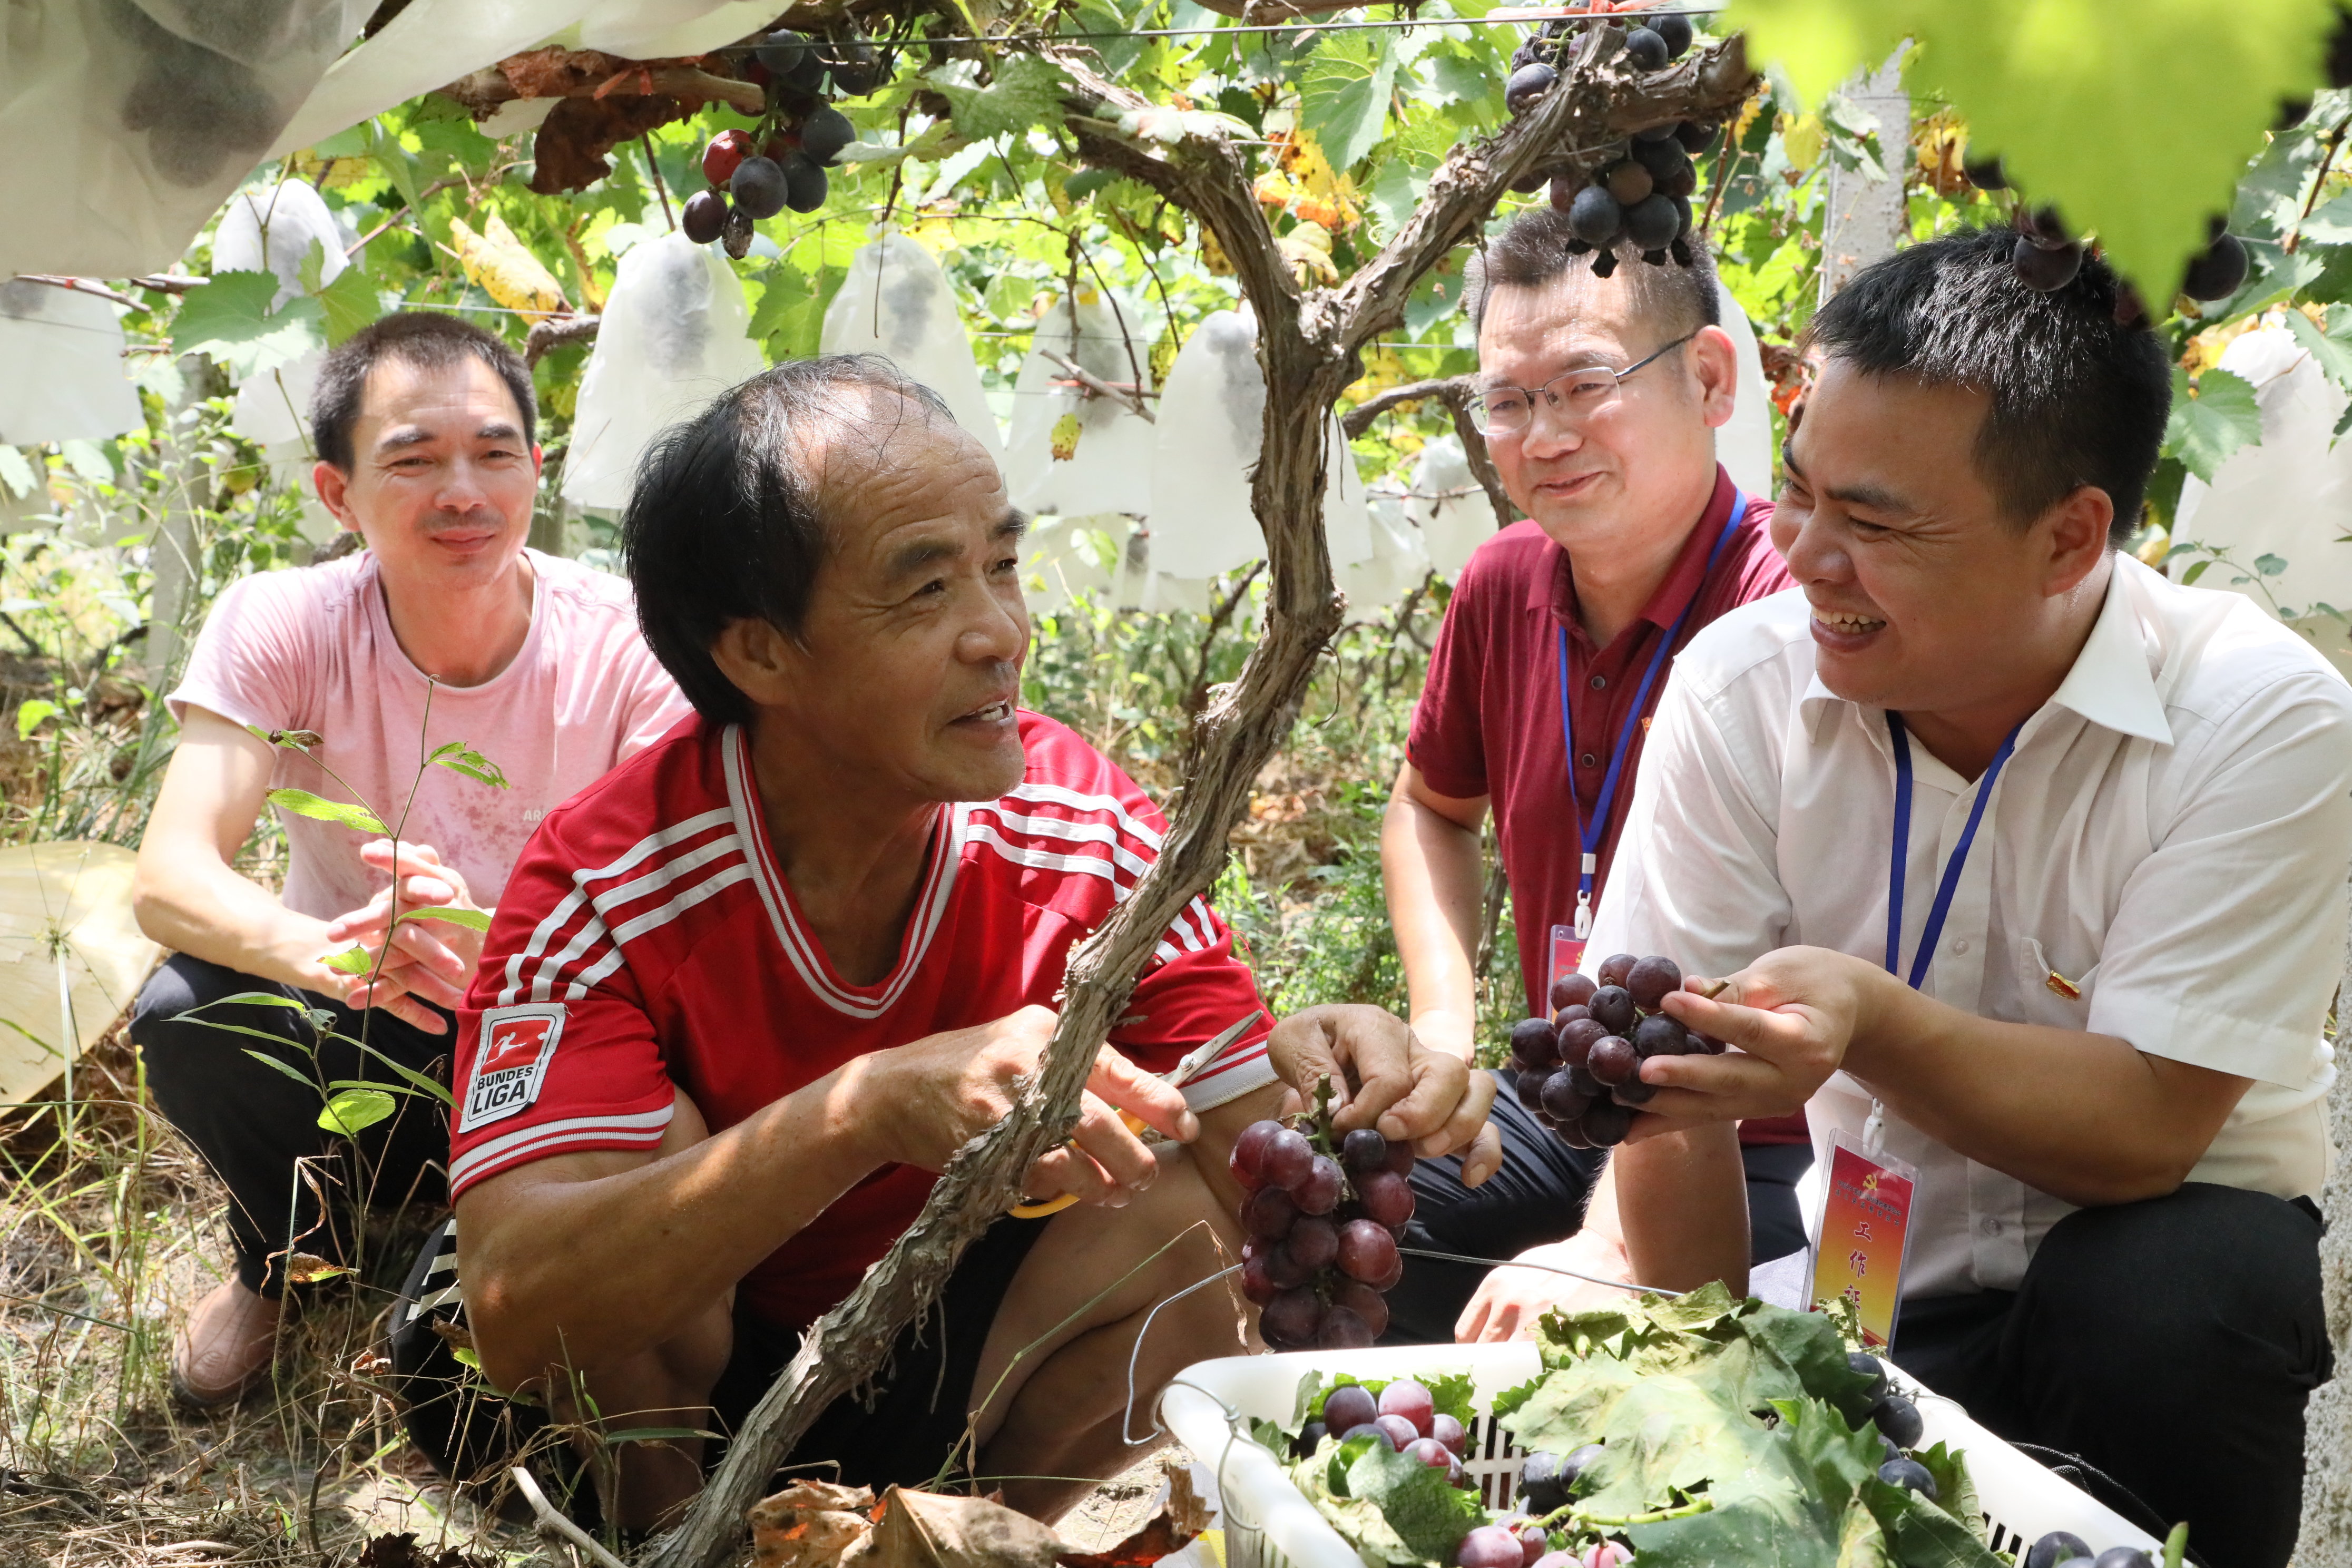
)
(351, 1106)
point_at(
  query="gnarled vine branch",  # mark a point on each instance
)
(1308, 343)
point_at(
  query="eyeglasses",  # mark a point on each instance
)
(1578, 395)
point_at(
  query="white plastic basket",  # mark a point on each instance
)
(1268, 1523)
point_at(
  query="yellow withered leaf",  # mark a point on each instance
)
(500, 265)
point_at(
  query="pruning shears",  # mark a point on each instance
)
(1178, 1077)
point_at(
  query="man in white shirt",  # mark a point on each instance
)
(2120, 897)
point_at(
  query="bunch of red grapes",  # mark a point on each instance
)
(1580, 1069)
(1323, 1230)
(1404, 1415)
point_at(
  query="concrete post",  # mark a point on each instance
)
(1866, 219)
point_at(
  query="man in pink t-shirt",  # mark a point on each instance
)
(443, 635)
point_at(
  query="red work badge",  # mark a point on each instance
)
(1864, 1238)
(1567, 958)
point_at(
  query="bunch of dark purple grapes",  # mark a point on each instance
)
(1640, 189)
(1579, 1070)
(1323, 1230)
(2047, 258)
(758, 173)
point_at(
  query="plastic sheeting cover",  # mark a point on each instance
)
(672, 338)
(1109, 468)
(1347, 516)
(435, 42)
(65, 381)
(895, 302)
(2290, 496)
(128, 121)
(1398, 563)
(1211, 424)
(271, 228)
(1744, 446)
(1449, 505)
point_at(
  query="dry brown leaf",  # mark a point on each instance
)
(810, 1524)
(1180, 1518)
(930, 1530)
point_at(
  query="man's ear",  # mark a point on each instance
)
(2078, 529)
(762, 662)
(334, 488)
(1716, 363)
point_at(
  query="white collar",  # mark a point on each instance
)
(2112, 682)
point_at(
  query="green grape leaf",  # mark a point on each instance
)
(1861, 1542)
(472, 919)
(1425, 1510)
(16, 473)
(347, 304)
(302, 802)
(1923, 1534)
(1343, 98)
(2211, 421)
(354, 1110)
(2331, 223)
(1956, 1490)
(351, 960)
(2047, 84)
(230, 319)
(2330, 349)
(2270, 566)
(1027, 90)
(1359, 1521)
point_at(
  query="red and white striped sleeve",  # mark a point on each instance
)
(556, 1053)
(1078, 816)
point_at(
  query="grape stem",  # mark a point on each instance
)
(1710, 989)
(1572, 1514)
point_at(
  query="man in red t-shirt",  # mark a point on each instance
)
(1601, 397)
(748, 995)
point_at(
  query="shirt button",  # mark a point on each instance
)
(1989, 1226)
(1961, 945)
(1600, 683)
(1589, 760)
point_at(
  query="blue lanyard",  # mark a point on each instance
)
(1952, 882)
(1590, 833)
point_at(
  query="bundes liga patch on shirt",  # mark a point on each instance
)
(517, 1045)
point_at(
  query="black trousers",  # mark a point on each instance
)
(2171, 1343)
(901, 1430)
(1538, 1196)
(258, 1129)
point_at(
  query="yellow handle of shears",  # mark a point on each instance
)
(1198, 1059)
(1055, 1205)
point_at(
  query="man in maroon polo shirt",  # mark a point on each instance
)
(1601, 397)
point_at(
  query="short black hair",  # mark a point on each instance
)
(430, 340)
(2077, 397)
(1533, 249)
(725, 522)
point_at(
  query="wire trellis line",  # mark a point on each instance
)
(1502, 19)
